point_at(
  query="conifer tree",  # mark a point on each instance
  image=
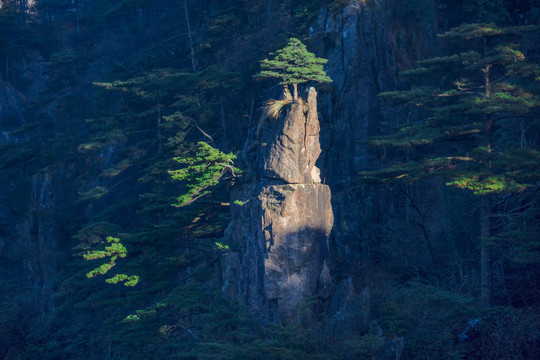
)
(294, 65)
(458, 133)
(155, 88)
(115, 250)
(203, 171)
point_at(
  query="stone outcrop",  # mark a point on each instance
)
(281, 224)
(289, 146)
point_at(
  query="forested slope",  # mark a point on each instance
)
(429, 146)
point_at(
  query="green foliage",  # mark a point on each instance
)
(93, 234)
(150, 85)
(221, 247)
(485, 185)
(203, 170)
(485, 10)
(363, 347)
(102, 143)
(130, 280)
(503, 333)
(429, 318)
(65, 67)
(294, 64)
(417, 96)
(94, 193)
(115, 250)
(459, 107)
(116, 180)
(17, 36)
(409, 171)
(521, 232)
(472, 31)
(191, 323)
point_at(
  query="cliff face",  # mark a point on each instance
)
(282, 226)
(298, 249)
(362, 49)
(31, 247)
(362, 63)
(32, 241)
(288, 212)
(365, 46)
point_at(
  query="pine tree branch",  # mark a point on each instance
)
(203, 132)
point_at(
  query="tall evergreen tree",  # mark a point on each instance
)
(458, 131)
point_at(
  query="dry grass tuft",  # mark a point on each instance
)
(272, 108)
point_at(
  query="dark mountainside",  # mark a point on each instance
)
(152, 208)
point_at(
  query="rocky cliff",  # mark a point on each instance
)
(32, 238)
(71, 157)
(362, 52)
(282, 222)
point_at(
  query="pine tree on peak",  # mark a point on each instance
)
(294, 65)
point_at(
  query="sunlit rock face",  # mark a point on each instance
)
(296, 229)
(282, 224)
(289, 145)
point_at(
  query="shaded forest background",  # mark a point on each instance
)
(99, 101)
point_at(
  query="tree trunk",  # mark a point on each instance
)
(190, 38)
(485, 225)
(487, 83)
(485, 204)
(158, 123)
(485, 251)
